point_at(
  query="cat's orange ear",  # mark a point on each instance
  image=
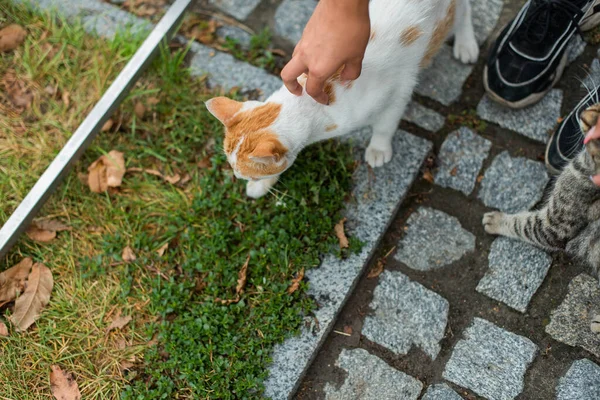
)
(268, 151)
(223, 108)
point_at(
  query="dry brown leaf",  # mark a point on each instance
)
(128, 255)
(241, 283)
(126, 364)
(428, 176)
(348, 329)
(63, 384)
(21, 98)
(152, 101)
(107, 171)
(296, 282)
(3, 329)
(52, 225)
(376, 270)
(12, 281)
(107, 125)
(205, 162)
(11, 37)
(118, 322)
(139, 110)
(162, 249)
(66, 98)
(454, 171)
(479, 178)
(40, 235)
(172, 179)
(35, 297)
(341, 235)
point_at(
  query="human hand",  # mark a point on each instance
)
(336, 35)
(594, 133)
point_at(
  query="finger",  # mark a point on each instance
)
(595, 179)
(290, 74)
(351, 70)
(314, 87)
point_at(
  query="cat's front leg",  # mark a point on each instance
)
(380, 150)
(257, 189)
(494, 223)
(466, 48)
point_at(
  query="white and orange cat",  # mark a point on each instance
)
(262, 139)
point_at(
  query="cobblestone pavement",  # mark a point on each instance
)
(456, 313)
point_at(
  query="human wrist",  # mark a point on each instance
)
(356, 7)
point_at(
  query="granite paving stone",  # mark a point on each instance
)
(433, 239)
(377, 201)
(513, 184)
(423, 117)
(440, 391)
(581, 382)
(570, 322)
(291, 17)
(370, 378)
(535, 122)
(490, 361)
(225, 71)
(461, 157)
(485, 15)
(233, 32)
(516, 271)
(240, 9)
(444, 78)
(405, 313)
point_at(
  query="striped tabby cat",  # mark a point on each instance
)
(570, 220)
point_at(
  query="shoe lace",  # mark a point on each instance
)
(539, 20)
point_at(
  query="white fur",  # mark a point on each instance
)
(379, 96)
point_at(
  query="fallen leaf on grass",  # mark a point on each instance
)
(241, 283)
(172, 179)
(107, 125)
(66, 98)
(11, 37)
(107, 171)
(126, 365)
(128, 255)
(35, 297)
(139, 110)
(341, 235)
(63, 384)
(3, 329)
(40, 235)
(118, 322)
(162, 249)
(296, 282)
(12, 281)
(52, 225)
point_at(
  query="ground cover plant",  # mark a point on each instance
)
(171, 284)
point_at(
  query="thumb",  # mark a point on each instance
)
(351, 70)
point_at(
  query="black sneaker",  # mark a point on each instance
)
(529, 56)
(567, 140)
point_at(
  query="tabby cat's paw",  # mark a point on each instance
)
(257, 189)
(493, 222)
(376, 157)
(466, 50)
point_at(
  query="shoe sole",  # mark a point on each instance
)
(588, 22)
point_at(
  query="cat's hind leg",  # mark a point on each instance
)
(466, 48)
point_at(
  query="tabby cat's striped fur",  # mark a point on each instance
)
(570, 220)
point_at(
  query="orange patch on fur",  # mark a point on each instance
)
(440, 33)
(262, 144)
(330, 128)
(223, 108)
(249, 122)
(410, 35)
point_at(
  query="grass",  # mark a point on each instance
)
(182, 341)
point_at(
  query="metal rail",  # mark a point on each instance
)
(89, 128)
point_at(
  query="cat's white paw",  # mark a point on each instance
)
(493, 222)
(466, 50)
(257, 189)
(376, 157)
